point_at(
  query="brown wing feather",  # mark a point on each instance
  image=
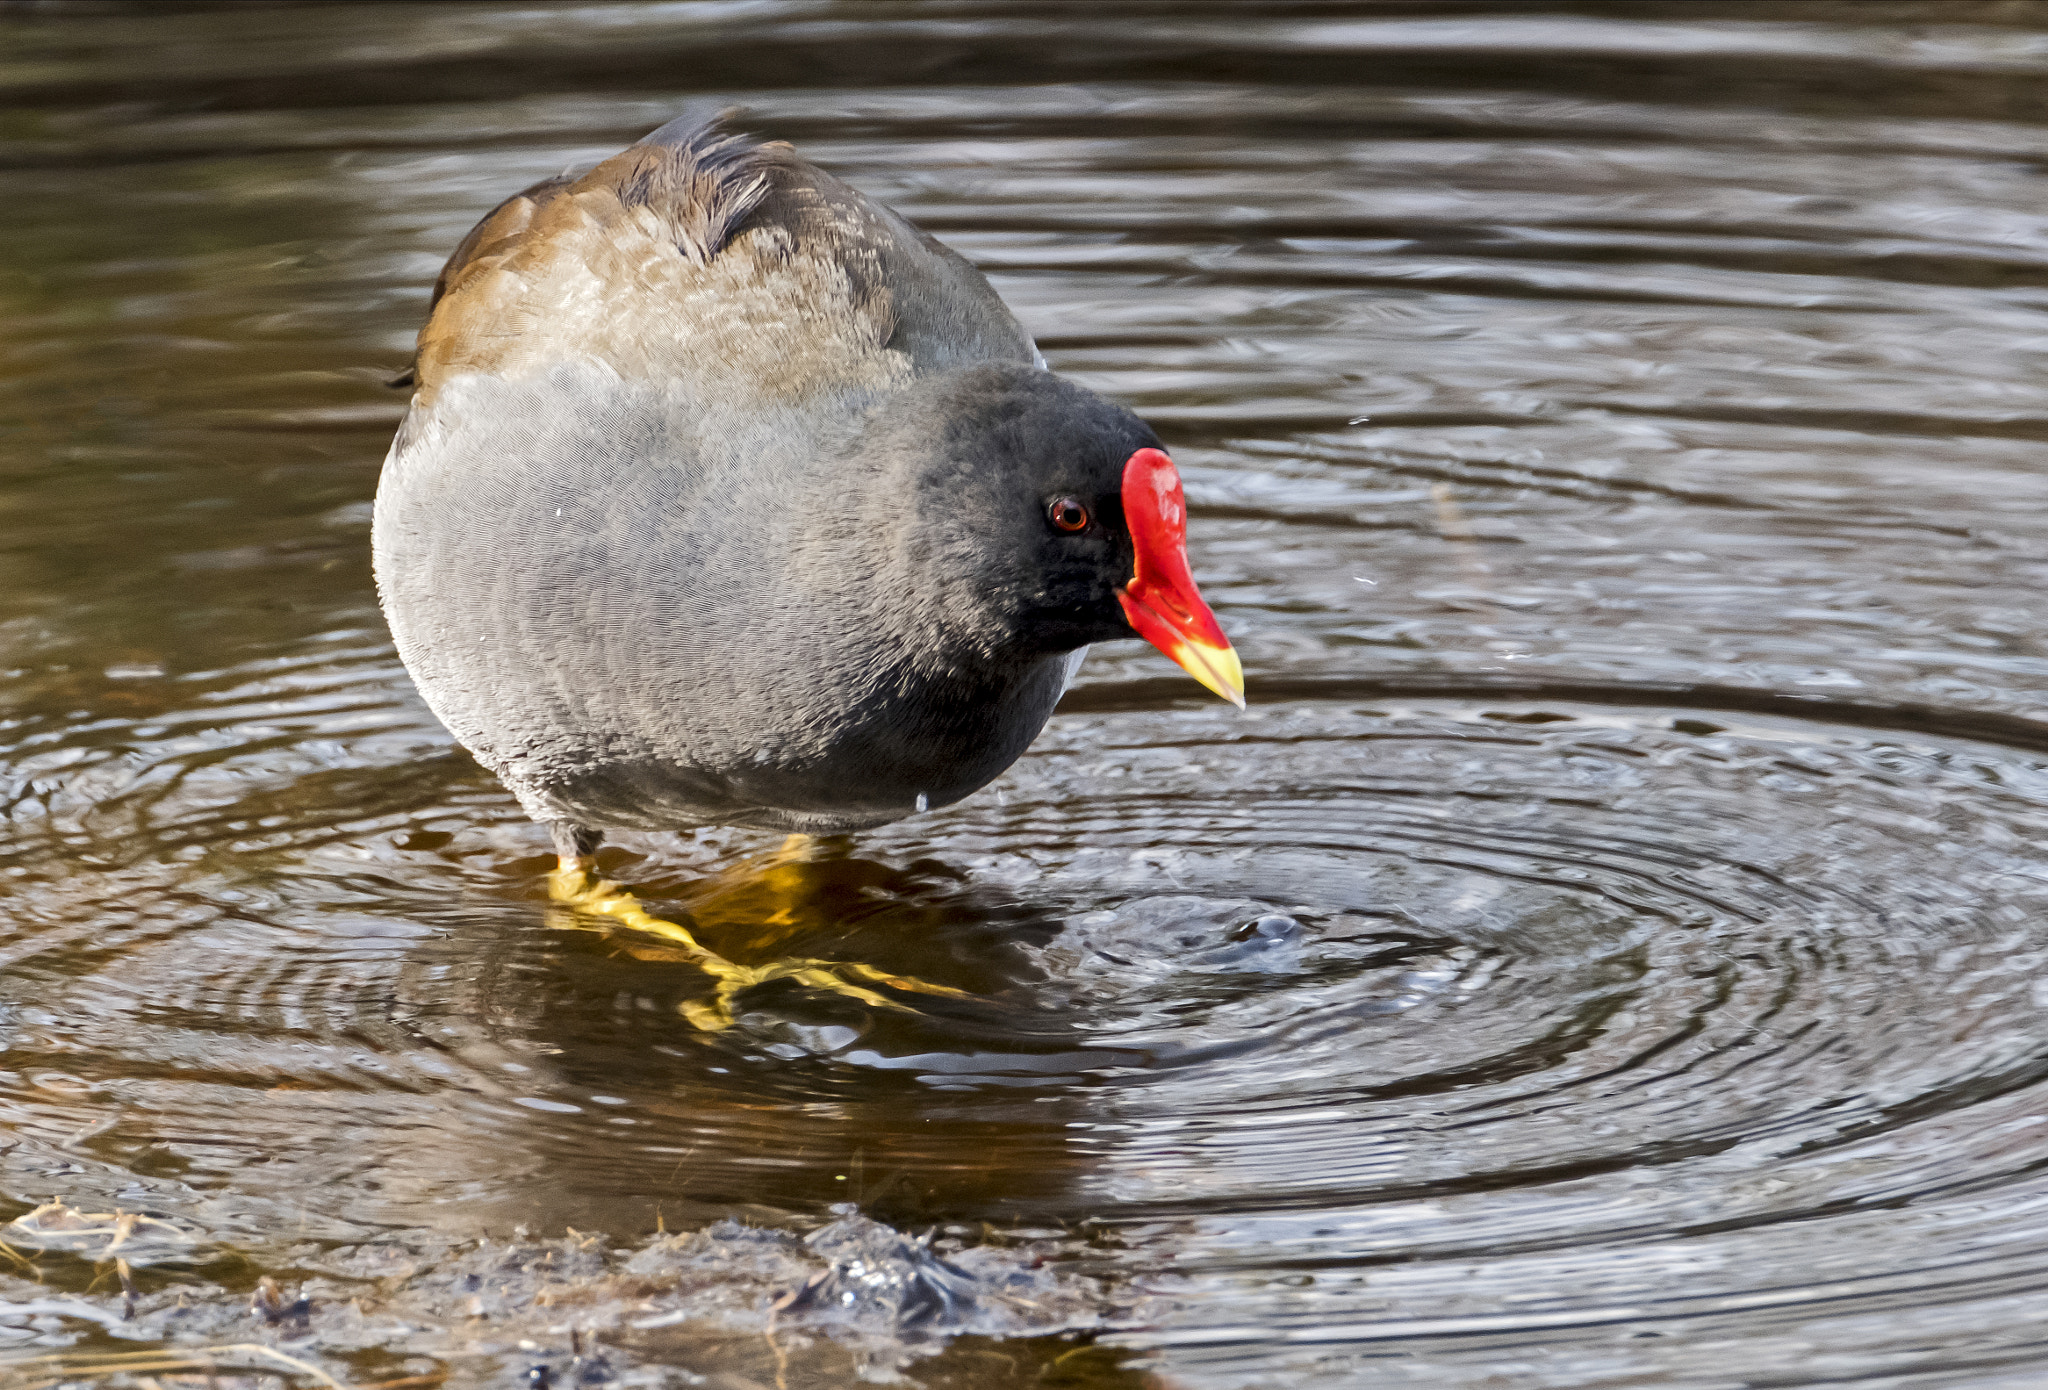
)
(507, 219)
(709, 256)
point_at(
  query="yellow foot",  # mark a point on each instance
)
(575, 885)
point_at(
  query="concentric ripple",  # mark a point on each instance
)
(1610, 951)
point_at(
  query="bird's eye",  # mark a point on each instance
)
(1067, 514)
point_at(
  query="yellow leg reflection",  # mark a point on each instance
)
(575, 885)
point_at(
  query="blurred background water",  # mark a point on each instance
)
(1610, 950)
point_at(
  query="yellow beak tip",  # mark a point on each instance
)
(1217, 668)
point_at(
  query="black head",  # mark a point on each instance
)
(1002, 486)
(997, 516)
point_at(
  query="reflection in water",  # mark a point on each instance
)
(1607, 952)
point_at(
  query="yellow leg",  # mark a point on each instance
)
(575, 885)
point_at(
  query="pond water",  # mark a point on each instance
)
(1612, 949)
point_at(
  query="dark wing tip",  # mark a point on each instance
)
(702, 123)
(704, 178)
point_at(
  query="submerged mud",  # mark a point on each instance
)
(733, 1304)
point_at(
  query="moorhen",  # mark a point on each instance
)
(726, 496)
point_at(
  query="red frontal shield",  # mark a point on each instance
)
(1161, 600)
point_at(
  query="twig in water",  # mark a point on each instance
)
(1451, 523)
(205, 1360)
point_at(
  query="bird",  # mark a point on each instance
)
(727, 496)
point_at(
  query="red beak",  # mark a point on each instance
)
(1161, 600)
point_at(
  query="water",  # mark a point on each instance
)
(1610, 950)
